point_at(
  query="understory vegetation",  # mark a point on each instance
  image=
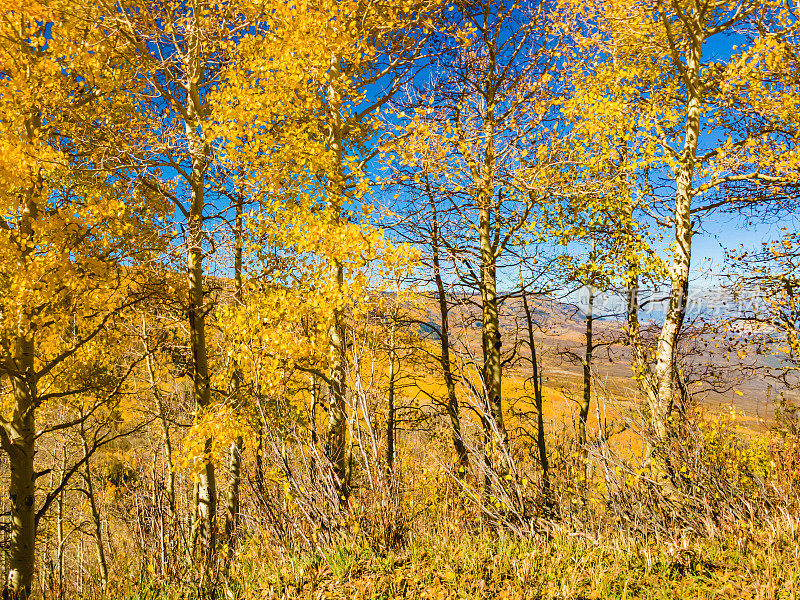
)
(725, 527)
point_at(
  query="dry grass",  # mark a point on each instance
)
(450, 547)
(449, 562)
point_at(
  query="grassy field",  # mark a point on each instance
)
(453, 563)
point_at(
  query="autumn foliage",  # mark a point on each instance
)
(318, 298)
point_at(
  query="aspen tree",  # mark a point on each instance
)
(424, 220)
(721, 132)
(390, 31)
(485, 114)
(324, 138)
(67, 226)
(177, 52)
(767, 291)
(232, 500)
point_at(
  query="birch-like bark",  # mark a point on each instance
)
(491, 341)
(666, 349)
(390, 417)
(22, 482)
(232, 500)
(205, 509)
(61, 539)
(18, 435)
(336, 435)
